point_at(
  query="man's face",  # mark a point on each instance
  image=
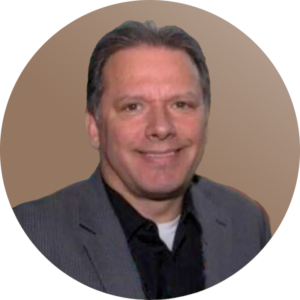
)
(152, 122)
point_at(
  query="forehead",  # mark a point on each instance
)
(145, 66)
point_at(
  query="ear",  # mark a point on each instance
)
(92, 129)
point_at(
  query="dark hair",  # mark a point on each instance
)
(131, 34)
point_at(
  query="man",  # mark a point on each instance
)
(144, 225)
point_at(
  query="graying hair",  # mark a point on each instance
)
(131, 34)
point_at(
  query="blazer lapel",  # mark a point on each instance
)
(216, 236)
(106, 244)
(108, 250)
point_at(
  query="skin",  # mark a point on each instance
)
(150, 128)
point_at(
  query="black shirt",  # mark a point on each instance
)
(164, 273)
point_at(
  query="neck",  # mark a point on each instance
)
(158, 211)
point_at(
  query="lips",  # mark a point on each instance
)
(160, 152)
(161, 156)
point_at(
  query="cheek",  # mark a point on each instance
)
(122, 135)
(192, 129)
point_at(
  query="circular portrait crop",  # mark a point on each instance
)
(153, 150)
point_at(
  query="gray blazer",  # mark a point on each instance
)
(77, 230)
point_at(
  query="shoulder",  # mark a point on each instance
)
(52, 211)
(245, 214)
(226, 198)
(51, 223)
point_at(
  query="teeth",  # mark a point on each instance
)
(160, 154)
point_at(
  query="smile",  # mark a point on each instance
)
(160, 154)
(161, 157)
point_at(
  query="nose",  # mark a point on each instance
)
(160, 125)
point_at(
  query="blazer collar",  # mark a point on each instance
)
(105, 242)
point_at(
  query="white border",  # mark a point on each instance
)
(27, 25)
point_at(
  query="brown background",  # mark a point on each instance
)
(253, 142)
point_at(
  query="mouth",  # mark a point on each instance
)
(160, 156)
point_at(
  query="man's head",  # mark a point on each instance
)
(148, 104)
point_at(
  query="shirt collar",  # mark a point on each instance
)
(131, 220)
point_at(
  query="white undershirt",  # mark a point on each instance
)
(167, 232)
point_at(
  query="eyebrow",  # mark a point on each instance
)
(126, 97)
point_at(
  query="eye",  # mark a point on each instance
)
(181, 105)
(132, 107)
